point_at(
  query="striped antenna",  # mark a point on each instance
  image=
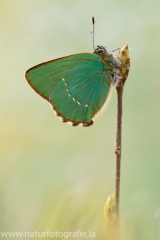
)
(92, 33)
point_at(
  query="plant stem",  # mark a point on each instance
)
(118, 147)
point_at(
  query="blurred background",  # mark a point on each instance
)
(52, 175)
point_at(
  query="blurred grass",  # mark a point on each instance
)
(53, 176)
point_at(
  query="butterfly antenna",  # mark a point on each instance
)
(92, 33)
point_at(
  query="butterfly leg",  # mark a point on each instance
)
(117, 79)
(125, 65)
(124, 75)
(114, 50)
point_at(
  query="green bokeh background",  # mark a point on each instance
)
(54, 176)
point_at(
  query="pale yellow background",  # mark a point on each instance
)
(54, 176)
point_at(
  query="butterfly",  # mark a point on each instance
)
(79, 85)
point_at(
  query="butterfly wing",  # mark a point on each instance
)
(77, 86)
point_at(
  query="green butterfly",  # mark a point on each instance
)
(77, 86)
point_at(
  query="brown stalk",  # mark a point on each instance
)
(118, 147)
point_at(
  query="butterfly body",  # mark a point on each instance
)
(76, 86)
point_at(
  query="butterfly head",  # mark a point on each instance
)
(101, 50)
